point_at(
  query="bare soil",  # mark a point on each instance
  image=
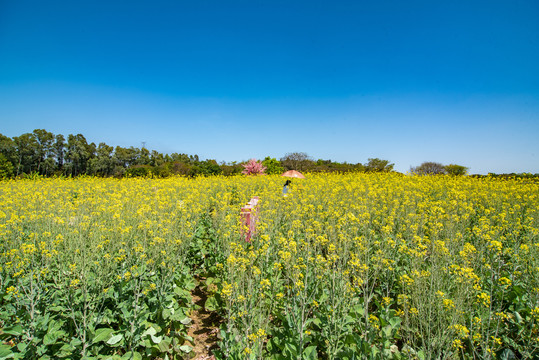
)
(204, 327)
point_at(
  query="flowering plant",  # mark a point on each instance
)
(253, 167)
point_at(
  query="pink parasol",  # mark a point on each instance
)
(293, 174)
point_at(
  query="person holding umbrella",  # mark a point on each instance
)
(290, 174)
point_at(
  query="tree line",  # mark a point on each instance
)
(46, 154)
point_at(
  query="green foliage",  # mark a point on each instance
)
(6, 168)
(429, 168)
(453, 169)
(296, 161)
(378, 165)
(208, 167)
(273, 166)
(139, 171)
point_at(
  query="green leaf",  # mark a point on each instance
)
(52, 337)
(182, 293)
(134, 355)
(5, 352)
(115, 339)
(15, 330)
(156, 339)
(507, 354)
(65, 351)
(188, 338)
(518, 317)
(190, 284)
(22, 347)
(167, 313)
(186, 348)
(310, 353)
(395, 321)
(185, 320)
(164, 345)
(102, 334)
(150, 331)
(211, 304)
(387, 330)
(292, 349)
(75, 342)
(421, 355)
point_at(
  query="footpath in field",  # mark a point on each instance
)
(204, 328)
(205, 325)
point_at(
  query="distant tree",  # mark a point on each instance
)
(207, 167)
(103, 164)
(456, 170)
(44, 152)
(143, 156)
(8, 149)
(125, 157)
(273, 166)
(232, 168)
(156, 158)
(253, 167)
(138, 171)
(296, 161)
(184, 158)
(378, 165)
(26, 150)
(181, 168)
(161, 171)
(78, 155)
(6, 167)
(429, 168)
(59, 151)
(320, 162)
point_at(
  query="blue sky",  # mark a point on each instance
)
(407, 81)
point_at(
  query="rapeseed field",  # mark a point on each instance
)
(353, 266)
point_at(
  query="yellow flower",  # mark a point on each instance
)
(227, 289)
(448, 304)
(484, 299)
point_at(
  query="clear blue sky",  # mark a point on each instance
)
(408, 81)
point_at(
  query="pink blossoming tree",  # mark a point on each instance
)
(253, 167)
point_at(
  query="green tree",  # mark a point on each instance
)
(7, 148)
(26, 152)
(44, 151)
(183, 158)
(6, 167)
(378, 165)
(429, 168)
(232, 168)
(156, 158)
(59, 151)
(273, 166)
(296, 161)
(207, 167)
(457, 170)
(78, 155)
(103, 164)
(125, 157)
(143, 156)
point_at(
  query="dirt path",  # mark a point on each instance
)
(204, 327)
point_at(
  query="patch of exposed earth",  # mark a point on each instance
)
(204, 327)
